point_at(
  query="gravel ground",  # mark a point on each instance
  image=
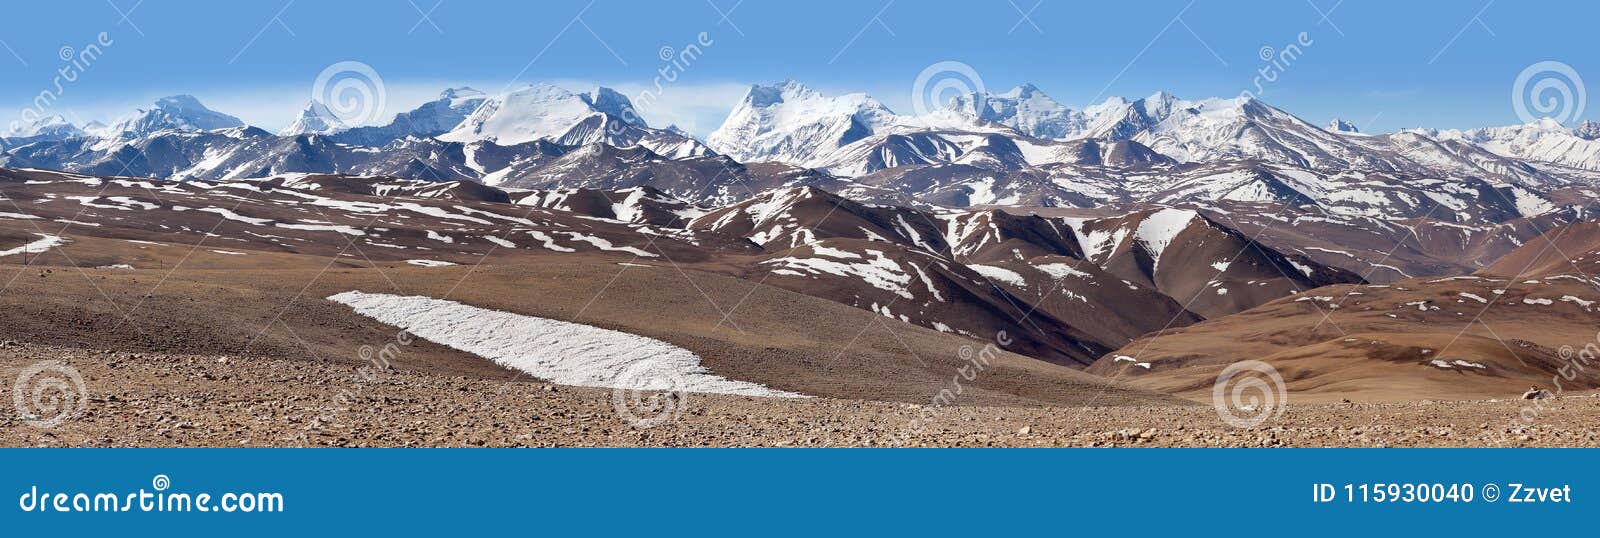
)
(157, 400)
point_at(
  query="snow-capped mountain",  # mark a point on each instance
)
(314, 119)
(789, 122)
(53, 127)
(530, 113)
(178, 112)
(432, 118)
(1540, 140)
(855, 135)
(1018, 148)
(543, 111)
(1587, 130)
(1028, 110)
(1338, 125)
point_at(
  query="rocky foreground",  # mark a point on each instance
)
(152, 400)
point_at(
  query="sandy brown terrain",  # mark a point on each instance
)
(192, 326)
(184, 400)
(782, 339)
(1444, 338)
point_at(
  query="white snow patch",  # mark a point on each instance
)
(1001, 274)
(499, 241)
(1059, 271)
(436, 236)
(37, 246)
(558, 351)
(549, 242)
(1157, 230)
(430, 263)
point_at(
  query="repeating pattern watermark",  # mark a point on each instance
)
(937, 84)
(655, 395)
(1549, 89)
(1248, 393)
(352, 91)
(49, 393)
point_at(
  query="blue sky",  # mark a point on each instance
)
(1382, 64)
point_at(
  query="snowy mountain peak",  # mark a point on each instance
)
(429, 119)
(791, 122)
(463, 92)
(542, 111)
(53, 127)
(314, 119)
(1023, 91)
(177, 112)
(1338, 125)
(1548, 124)
(612, 102)
(1587, 130)
(1026, 109)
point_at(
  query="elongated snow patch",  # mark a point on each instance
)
(558, 351)
(37, 246)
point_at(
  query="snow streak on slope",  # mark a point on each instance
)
(1158, 230)
(558, 351)
(37, 246)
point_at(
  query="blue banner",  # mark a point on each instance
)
(744, 492)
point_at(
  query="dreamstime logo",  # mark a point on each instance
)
(943, 81)
(377, 362)
(675, 63)
(972, 364)
(49, 393)
(1573, 363)
(159, 498)
(1551, 89)
(78, 61)
(654, 397)
(1252, 387)
(1278, 61)
(352, 91)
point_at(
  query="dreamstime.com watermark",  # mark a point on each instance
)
(1248, 393)
(1278, 61)
(49, 393)
(157, 499)
(77, 61)
(1573, 362)
(377, 361)
(972, 364)
(675, 63)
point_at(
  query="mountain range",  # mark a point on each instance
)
(1155, 240)
(1019, 148)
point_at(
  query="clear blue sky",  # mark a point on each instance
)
(1383, 64)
